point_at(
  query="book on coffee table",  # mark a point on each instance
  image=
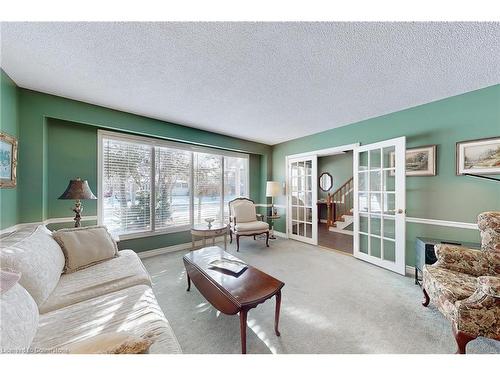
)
(231, 265)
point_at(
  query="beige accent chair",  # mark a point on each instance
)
(244, 221)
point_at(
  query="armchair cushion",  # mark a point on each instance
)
(462, 259)
(244, 212)
(251, 227)
(446, 286)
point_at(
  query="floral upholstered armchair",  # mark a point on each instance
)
(244, 221)
(465, 284)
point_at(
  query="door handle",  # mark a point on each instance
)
(400, 211)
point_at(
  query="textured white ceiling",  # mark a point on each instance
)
(268, 82)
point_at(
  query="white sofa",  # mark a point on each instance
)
(112, 296)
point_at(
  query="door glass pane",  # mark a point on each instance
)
(363, 181)
(295, 227)
(309, 215)
(390, 250)
(363, 202)
(295, 169)
(301, 168)
(363, 243)
(375, 247)
(295, 184)
(294, 213)
(308, 183)
(302, 198)
(363, 224)
(309, 230)
(375, 181)
(375, 202)
(375, 159)
(308, 166)
(375, 225)
(309, 199)
(389, 180)
(301, 229)
(300, 183)
(389, 204)
(363, 161)
(388, 155)
(389, 229)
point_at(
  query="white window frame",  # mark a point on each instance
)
(155, 142)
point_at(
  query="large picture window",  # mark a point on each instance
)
(148, 186)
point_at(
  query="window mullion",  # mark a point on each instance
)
(152, 199)
(222, 191)
(191, 193)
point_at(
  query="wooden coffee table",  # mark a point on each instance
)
(230, 293)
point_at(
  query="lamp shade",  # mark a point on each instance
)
(273, 189)
(78, 189)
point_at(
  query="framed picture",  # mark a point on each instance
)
(479, 156)
(8, 161)
(420, 161)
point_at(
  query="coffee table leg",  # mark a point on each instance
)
(189, 283)
(243, 329)
(277, 313)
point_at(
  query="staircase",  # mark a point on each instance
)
(342, 200)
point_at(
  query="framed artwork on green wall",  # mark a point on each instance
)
(420, 161)
(479, 156)
(8, 161)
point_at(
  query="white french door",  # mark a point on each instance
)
(380, 204)
(302, 197)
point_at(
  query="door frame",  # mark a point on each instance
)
(314, 187)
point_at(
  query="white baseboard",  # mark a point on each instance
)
(410, 271)
(164, 250)
(280, 234)
(182, 246)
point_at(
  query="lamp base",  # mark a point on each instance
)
(77, 210)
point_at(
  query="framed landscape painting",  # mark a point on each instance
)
(8, 161)
(420, 161)
(479, 156)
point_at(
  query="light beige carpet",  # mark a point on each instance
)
(332, 303)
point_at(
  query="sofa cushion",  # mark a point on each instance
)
(132, 310)
(19, 323)
(118, 273)
(85, 246)
(251, 227)
(39, 259)
(244, 211)
(445, 287)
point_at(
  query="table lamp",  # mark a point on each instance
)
(273, 189)
(78, 189)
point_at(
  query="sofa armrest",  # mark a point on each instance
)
(479, 315)
(489, 285)
(461, 259)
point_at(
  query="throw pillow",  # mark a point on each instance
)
(39, 259)
(85, 246)
(110, 343)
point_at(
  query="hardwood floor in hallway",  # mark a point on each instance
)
(332, 240)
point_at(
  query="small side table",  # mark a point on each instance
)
(204, 232)
(271, 218)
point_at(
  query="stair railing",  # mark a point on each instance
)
(342, 200)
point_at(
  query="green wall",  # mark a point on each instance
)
(8, 124)
(446, 196)
(340, 167)
(58, 141)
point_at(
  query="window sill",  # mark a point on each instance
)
(135, 235)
